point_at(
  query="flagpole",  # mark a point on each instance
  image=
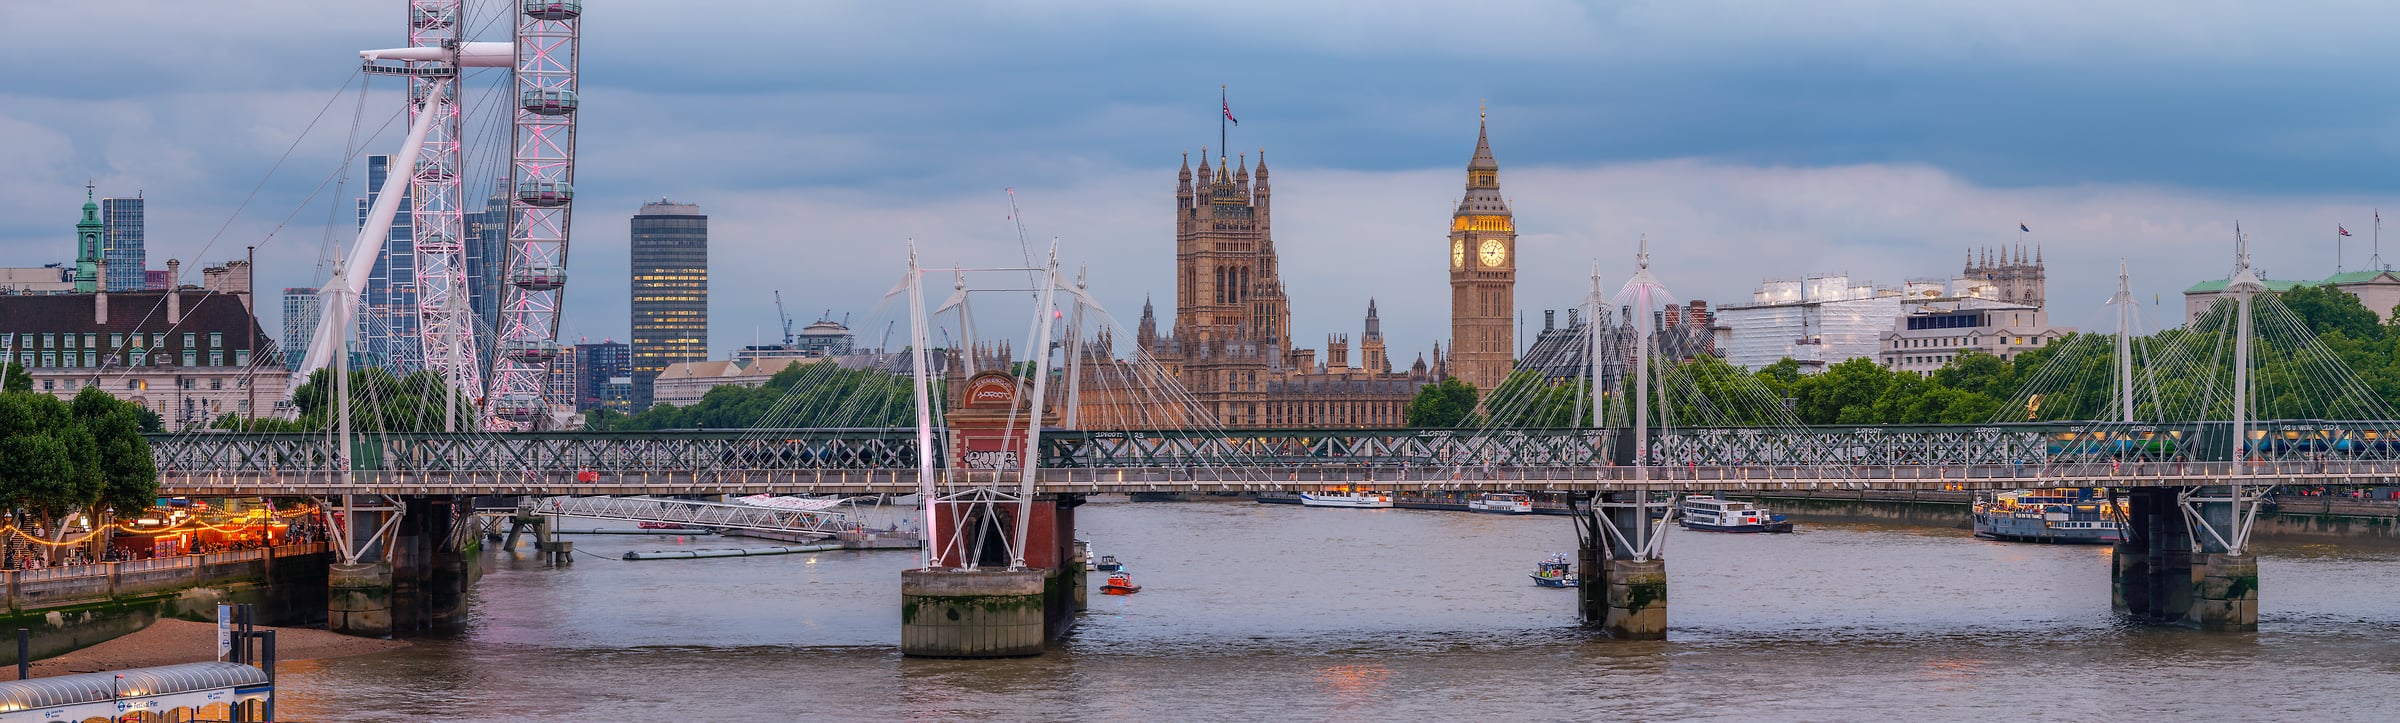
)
(2375, 262)
(1223, 104)
(2337, 248)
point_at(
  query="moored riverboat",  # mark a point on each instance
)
(2058, 515)
(1507, 503)
(1715, 514)
(1362, 499)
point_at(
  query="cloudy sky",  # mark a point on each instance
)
(1746, 139)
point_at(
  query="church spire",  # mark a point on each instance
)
(88, 233)
(1483, 145)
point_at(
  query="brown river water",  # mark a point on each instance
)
(1254, 612)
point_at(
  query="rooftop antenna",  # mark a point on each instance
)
(2375, 261)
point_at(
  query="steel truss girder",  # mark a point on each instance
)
(343, 527)
(1426, 449)
(2229, 535)
(967, 507)
(1644, 539)
(2065, 451)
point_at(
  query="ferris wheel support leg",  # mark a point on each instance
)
(332, 329)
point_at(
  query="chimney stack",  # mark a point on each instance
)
(174, 299)
(100, 299)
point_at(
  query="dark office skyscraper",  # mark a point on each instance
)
(388, 322)
(603, 376)
(124, 243)
(487, 261)
(670, 291)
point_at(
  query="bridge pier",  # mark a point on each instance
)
(988, 609)
(1621, 573)
(404, 564)
(2183, 562)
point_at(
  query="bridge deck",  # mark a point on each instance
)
(1689, 478)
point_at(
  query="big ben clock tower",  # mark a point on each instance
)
(1483, 275)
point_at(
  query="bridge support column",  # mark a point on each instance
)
(972, 613)
(2152, 573)
(359, 585)
(2224, 576)
(2224, 593)
(359, 599)
(1621, 575)
(978, 608)
(2182, 562)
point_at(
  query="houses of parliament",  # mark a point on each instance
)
(1231, 346)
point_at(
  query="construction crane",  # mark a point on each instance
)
(786, 318)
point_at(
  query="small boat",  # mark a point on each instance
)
(1120, 583)
(1711, 514)
(648, 525)
(1345, 498)
(1558, 571)
(1107, 563)
(1506, 503)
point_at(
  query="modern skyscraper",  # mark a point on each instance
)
(301, 311)
(1483, 275)
(604, 373)
(388, 314)
(124, 243)
(670, 291)
(558, 388)
(487, 264)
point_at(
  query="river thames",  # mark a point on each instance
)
(1269, 611)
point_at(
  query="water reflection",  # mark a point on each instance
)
(1260, 611)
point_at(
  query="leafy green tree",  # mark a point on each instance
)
(48, 462)
(1844, 394)
(128, 477)
(18, 380)
(2327, 310)
(1447, 404)
(804, 394)
(1527, 399)
(379, 402)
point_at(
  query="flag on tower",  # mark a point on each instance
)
(2343, 231)
(1229, 111)
(2021, 227)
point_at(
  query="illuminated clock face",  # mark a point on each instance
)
(1458, 254)
(1494, 252)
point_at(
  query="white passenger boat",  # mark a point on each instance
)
(1704, 512)
(1507, 503)
(1347, 498)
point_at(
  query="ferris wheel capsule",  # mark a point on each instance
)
(553, 9)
